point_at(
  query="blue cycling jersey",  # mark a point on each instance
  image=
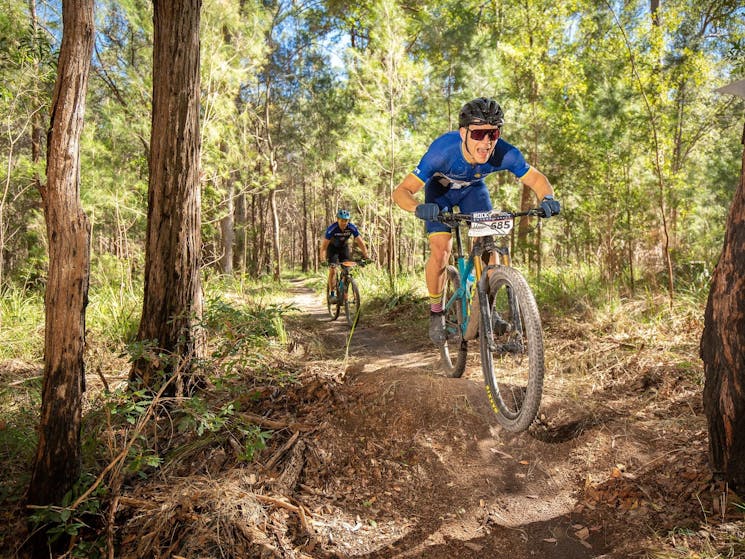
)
(449, 180)
(444, 166)
(339, 237)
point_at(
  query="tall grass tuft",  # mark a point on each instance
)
(403, 297)
(21, 324)
(572, 289)
(115, 301)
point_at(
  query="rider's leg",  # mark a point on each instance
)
(332, 256)
(332, 276)
(440, 245)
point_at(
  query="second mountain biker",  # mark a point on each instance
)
(335, 246)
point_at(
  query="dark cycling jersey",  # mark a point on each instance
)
(339, 238)
(444, 167)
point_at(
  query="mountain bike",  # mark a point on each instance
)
(494, 303)
(347, 292)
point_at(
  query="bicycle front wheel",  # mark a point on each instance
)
(454, 349)
(513, 351)
(333, 308)
(352, 302)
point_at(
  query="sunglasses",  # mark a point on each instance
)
(479, 135)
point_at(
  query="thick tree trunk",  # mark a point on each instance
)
(172, 306)
(723, 350)
(57, 463)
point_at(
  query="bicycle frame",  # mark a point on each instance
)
(347, 292)
(465, 267)
(342, 272)
(473, 262)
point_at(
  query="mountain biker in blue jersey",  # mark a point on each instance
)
(335, 246)
(452, 173)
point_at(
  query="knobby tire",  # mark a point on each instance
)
(515, 355)
(352, 302)
(454, 350)
(333, 308)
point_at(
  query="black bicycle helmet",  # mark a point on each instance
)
(481, 111)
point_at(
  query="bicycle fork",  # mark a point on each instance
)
(484, 304)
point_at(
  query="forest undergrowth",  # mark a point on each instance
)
(290, 450)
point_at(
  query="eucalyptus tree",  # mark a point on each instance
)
(273, 98)
(675, 114)
(701, 41)
(322, 111)
(172, 306)
(116, 147)
(723, 351)
(521, 63)
(595, 149)
(57, 463)
(450, 44)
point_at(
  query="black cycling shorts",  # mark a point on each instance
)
(334, 255)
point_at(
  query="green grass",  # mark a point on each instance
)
(21, 324)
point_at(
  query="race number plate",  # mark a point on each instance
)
(487, 223)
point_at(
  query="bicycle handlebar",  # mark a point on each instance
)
(450, 218)
(361, 261)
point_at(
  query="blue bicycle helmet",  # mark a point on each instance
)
(342, 214)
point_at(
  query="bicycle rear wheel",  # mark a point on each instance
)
(333, 308)
(454, 349)
(352, 302)
(513, 353)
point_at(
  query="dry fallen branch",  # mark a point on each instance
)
(281, 451)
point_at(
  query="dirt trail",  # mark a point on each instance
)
(412, 464)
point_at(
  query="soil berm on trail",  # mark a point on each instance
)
(407, 463)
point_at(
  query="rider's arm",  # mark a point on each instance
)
(360, 243)
(324, 246)
(403, 195)
(538, 183)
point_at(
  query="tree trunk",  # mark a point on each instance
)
(276, 248)
(172, 305)
(57, 462)
(227, 227)
(241, 242)
(305, 255)
(723, 350)
(36, 123)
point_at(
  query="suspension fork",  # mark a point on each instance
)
(482, 246)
